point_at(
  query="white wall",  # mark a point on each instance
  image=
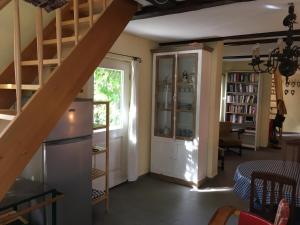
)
(214, 108)
(292, 121)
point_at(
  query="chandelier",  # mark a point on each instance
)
(284, 57)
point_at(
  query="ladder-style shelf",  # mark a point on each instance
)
(97, 194)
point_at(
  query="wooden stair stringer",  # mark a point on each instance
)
(17, 145)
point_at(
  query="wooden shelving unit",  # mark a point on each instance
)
(242, 89)
(97, 194)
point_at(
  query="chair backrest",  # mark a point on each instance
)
(225, 128)
(283, 213)
(250, 219)
(267, 189)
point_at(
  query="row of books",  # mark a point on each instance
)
(250, 99)
(240, 119)
(243, 77)
(250, 88)
(245, 109)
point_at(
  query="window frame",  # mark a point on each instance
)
(101, 128)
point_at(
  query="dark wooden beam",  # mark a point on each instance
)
(234, 37)
(241, 57)
(181, 7)
(260, 41)
(163, 3)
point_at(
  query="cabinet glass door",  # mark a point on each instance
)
(186, 95)
(164, 103)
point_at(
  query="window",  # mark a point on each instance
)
(108, 86)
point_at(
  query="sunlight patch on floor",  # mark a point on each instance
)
(217, 189)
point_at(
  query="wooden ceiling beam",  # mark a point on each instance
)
(180, 7)
(234, 37)
(260, 41)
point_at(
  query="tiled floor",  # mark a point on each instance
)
(153, 202)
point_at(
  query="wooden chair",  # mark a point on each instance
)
(222, 215)
(221, 158)
(229, 139)
(273, 187)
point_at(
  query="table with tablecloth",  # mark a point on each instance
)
(243, 173)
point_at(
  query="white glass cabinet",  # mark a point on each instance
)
(180, 114)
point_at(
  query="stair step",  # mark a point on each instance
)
(80, 20)
(63, 40)
(28, 87)
(36, 62)
(6, 114)
(81, 6)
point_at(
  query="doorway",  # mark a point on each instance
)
(111, 83)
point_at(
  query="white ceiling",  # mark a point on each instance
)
(227, 20)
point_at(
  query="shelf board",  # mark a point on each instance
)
(248, 146)
(163, 135)
(102, 126)
(242, 82)
(245, 114)
(185, 84)
(164, 109)
(242, 93)
(184, 138)
(235, 103)
(244, 124)
(99, 198)
(184, 110)
(164, 84)
(249, 133)
(98, 150)
(96, 173)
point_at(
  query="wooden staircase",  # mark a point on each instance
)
(276, 96)
(44, 79)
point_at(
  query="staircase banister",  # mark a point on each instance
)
(24, 136)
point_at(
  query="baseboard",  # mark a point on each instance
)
(177, 180)
(290, 133)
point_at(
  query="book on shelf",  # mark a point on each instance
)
(241, 99)
(247, 77)
(242, 88)
(236, 119)
(244, 109)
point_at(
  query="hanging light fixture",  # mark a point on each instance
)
(285, 56)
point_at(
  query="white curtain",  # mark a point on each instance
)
(133, 124)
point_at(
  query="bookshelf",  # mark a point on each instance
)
(242, 92)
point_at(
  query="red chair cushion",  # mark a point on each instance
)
(250, 219)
